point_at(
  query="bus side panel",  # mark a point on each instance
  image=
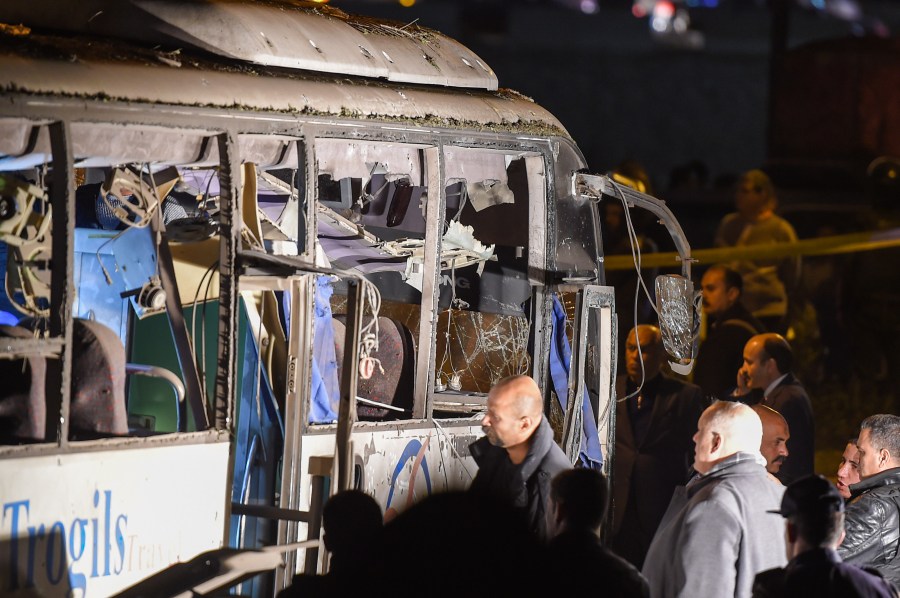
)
(91, 524)
(400, 465)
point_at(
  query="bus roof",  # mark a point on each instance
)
(99, 65)
(284, 33)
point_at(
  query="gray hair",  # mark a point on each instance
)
(884, 432)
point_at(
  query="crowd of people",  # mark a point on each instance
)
(727, 527)
(714, 491)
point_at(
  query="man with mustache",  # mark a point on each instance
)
(774, 439)
(517, 458)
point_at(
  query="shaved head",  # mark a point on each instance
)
(514, 411)
(523, 394)
(725, 428)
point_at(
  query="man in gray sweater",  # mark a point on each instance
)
(716, 535)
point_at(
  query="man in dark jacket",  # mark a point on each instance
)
(873, 516)
(813, 508)
(766, 378)
(654, 449)
(578, 499)
(729, 326)
(517, 458)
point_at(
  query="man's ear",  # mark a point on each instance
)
(526, 422)
(732, 293)
(716, 443)
(791, 532)
(884, 456)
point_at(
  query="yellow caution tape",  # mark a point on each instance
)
(850, 243)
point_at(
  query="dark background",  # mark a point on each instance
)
(623, 93)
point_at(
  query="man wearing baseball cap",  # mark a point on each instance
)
(814, 513)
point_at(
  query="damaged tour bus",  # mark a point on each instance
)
(257, 252)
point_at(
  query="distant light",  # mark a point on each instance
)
(664, 9)
(820, 4)
(589, 7)
(321, 1)
(407, 3)
(641, 8)
(659, 24)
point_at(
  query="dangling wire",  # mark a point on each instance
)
(635, 244)
(368, 334)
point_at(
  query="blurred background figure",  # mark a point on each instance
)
(767, 282)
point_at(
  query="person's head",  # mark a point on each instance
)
(578, 501)
(775, 434)
(725, 428)
(878, 444)
(754, 195)
(350, 518)
(766, 358)
(814, 510)
(848, 470)
(648, 339)
(514, 411)
(722, 288)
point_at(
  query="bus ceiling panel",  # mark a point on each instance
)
(475, 164)
(284, 34)
(18, 136)
(269, 151)
(108, 145)
(344, 158)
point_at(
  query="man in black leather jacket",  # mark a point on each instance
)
(873, 515)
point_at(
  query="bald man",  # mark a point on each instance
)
(517, 458)
(653, 442)
(774, 439)
(716, 535)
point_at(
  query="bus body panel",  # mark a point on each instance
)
(101, 521)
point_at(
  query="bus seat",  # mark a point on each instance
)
(23, 407)
(98, 405)
(397, 354)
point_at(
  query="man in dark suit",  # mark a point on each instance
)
(766, 378)
(729, 326)
(656, 417)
